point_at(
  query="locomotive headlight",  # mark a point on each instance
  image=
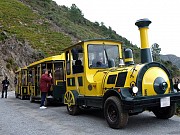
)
(135, 89)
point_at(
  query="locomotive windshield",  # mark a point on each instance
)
(103, 56)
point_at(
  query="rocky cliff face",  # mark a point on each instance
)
(14, 54)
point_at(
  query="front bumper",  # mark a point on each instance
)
(148, 101)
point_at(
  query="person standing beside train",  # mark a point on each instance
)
(5, 84)
(44, 81)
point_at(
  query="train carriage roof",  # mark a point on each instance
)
(24, 68)
(52, 58)
(90, 40)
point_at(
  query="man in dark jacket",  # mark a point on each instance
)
(5, 84)
(44, 81)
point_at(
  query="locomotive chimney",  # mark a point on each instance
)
(146, 55)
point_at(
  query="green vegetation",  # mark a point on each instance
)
(72, 21)
(24, 22)
(155, 51)
(174, 70)
(10, 64)
(17, 19)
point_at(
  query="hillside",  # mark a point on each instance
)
(173, 58)
(19, 20)
(72, 21)
(25, 37)
(32, 30)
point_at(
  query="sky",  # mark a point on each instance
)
(121, 16)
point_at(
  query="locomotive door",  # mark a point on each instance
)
(75, 69)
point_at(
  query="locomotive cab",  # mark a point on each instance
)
(86, 65)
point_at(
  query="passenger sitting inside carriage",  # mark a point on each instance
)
(78, 68)
(98, 62)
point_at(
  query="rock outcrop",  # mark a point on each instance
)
(15, 54)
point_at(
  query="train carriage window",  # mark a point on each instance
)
(43, 67)
(24, 77)
(50, 67)
(77, 62)
(38, 75)
(33, 76)
(19, 78)
(58, 71)
(30, 76)
(68, 69)
(103, 56)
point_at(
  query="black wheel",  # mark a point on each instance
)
(165, 112)
(85, 107)
(16, 95)
(22, 97)
(31, 99)
(73, 109)
(46, 102)
(114, 114)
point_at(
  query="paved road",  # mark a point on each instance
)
(20, 117)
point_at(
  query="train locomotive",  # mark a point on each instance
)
(98, 76)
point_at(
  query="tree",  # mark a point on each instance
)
(75, 14)
(155, 52)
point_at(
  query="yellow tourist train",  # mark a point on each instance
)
(99, 74)
(96, 76)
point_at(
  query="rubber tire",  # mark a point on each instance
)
(46, 102)
(122, 117)
(31, 99)
(22, 97)
(73, 110)
(16, 95)
(165, 112)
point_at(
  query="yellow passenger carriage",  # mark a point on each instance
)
(21, 86)
(55, 65)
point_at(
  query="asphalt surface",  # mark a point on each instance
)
(20, 117)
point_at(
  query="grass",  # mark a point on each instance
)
(18, 19)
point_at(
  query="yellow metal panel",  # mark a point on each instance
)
(148, 80)
(129, 59)
(133, 71)
(144, 38)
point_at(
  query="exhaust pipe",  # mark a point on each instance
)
(146, 55)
